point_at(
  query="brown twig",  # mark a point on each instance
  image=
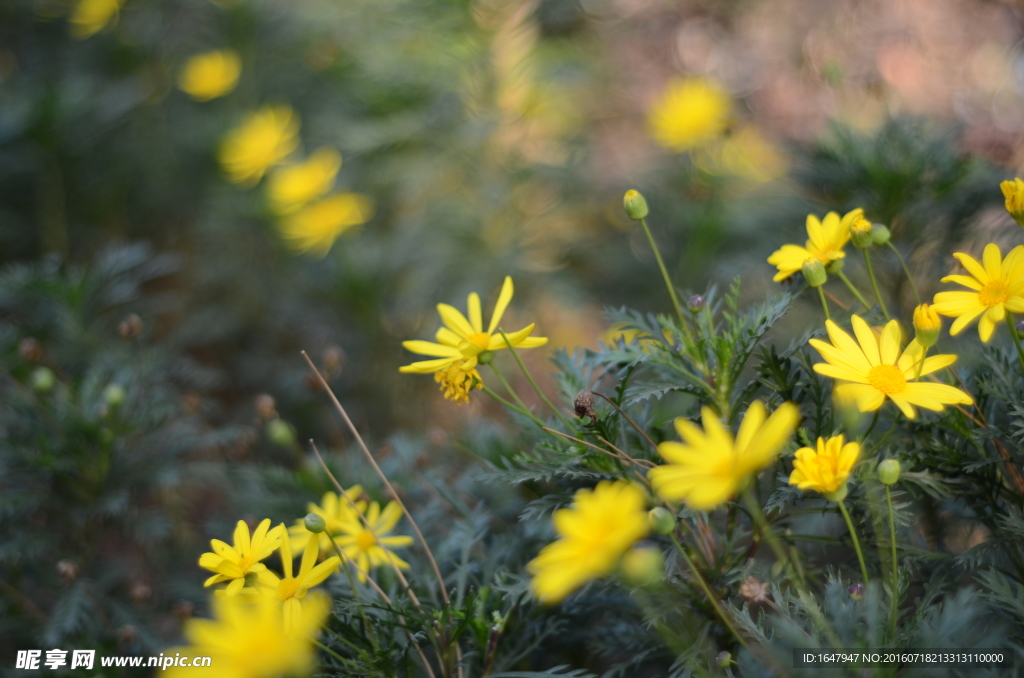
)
(599, 449)
(627, 417)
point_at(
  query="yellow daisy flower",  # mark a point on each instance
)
(92, 16)
(709, 467)
(336, 512)
(996, 287)
(464, 340)
(1013, 192)
(594, 532)
(248, 638)
(877, 369)
(315, 227)
(210, 75)
(825, 242)
(370, 548)
(688, 114)
(262, 140)
(290, 590)
(826, 469)
(233, 563)
(456, 383)
(291, 187)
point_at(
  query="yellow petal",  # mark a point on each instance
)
(499, 308)
(430, 348)
(455, 321)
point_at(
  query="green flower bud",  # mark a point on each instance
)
(814, 272)
(280, 433)
(695, 303)
(860, 231)
(835, 266)
(42, 380)
(114, 395)
(485, 358)
(839, 494)
(315, 523)
(643, 566)
(661, 521)
(880, 234)
(724, 659)
(636, 206)
(889, 471)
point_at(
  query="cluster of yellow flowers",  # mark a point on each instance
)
(266, 622)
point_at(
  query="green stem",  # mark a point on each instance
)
(769, 534)
(824, 304)
(856, 542)
(906, 271)
(664, 274)
(894, 613)
(522, 406)
(874, 284)
(712, 598)
(355, 591)
(888, 433)
(334, 654)
(1016, 339)
(853, 290)
(871, 426)
(529, 378)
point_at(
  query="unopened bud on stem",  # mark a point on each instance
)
(636, 206)
(315, 523)
(662, 522)
(814, 272)
(889, 471)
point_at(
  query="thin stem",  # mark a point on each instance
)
(712, 598)
(906, 271)
(515, 396)
(856, 542)
(871, 426)
(824, 304)
(894, 613)
(355, 591)
(769, 533)
(853, 290)
(631, 422)
(664, 274)
(334, 654)
(874, 283)
(509, 405)
(529, 378)
(888, 433)
(1016, 339)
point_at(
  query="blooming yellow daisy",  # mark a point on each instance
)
(290, 590)
(92, 16)
(315, 227)
(996, 287)
(248, 638)
(709, 467)
(456, 383)
(826, 469)
(688, 114)
(370, 548)
(210, 75)
(233, 563)
(336, 512)
(1013, 192)
(825, 242)
(877, 369)
(594, 532)
(292, 186)
(463, 339)
(263, 139)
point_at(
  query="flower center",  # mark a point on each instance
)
(480, 339)
(287, 588)
(888, 379)
(244, 563)
(365, 540)
(993, 293)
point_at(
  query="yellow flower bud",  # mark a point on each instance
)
(814, 272)
(661, 521)
(636, 206)
(927, 325)
(860, 229)
(1013, 191)
(889, 471)
(643, 566)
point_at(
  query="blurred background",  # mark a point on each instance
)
(194, 191)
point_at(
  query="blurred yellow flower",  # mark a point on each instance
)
(262, 140)
(709, 467)
(248, 638)
(91, 16)
(688, 114)
(594, 532)
(290, 590)
(370, 548)
(1013, 191)
(747, 154)
(292, 186)
(877, 369)
(825, 242)
(456, 383)
(464, 340)
(233, 563)
(210, 75)
(997, 287)
(336, 512)
(315, 227)
(826, 469)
